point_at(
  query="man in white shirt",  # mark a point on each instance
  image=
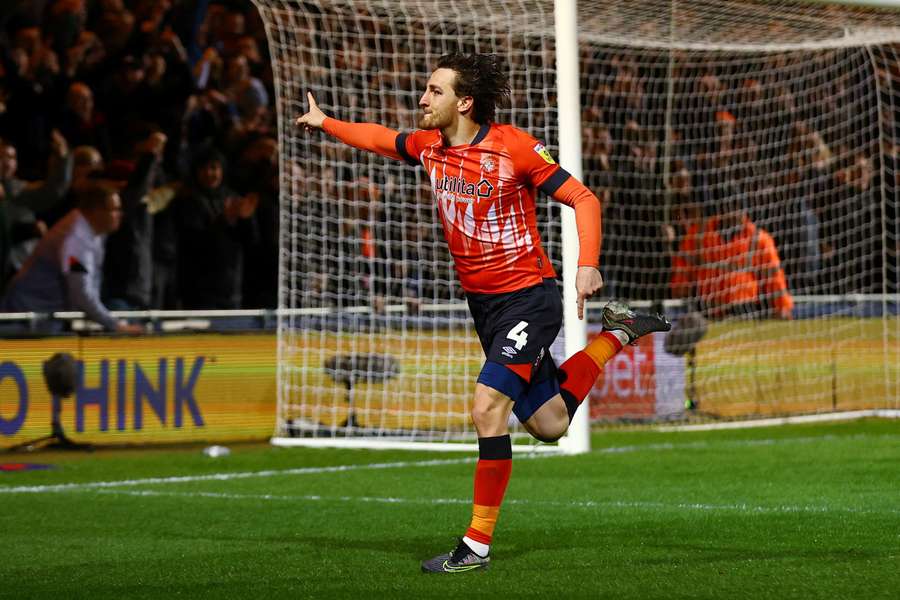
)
(65, 270)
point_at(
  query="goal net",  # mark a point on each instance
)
(780, 112)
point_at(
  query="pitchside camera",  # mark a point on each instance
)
(61, 374)
(61, 378)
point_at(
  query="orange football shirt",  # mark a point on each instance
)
(485, 195)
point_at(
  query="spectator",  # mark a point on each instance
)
(257, 170)
(635, 253)
(125, 103)
(214, 225)
(851, 232)
(167, 86)
(80, 123)
(114, 25)
(31, 80)
(65, 270)
(246, 93)
(684, 237)
(131, 58)
(85, 57)
(24, 199)
(208, 116)
(128, 274)
(165, 249)
(63, 26)
(737, 270)
(87, 164)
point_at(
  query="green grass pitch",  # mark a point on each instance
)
(786, 512)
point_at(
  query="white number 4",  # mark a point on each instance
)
(518, 335)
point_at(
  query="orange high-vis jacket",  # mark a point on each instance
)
(737, 271)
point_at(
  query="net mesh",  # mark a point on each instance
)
(784, 111)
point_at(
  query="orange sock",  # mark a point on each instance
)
(578, 374)
(491, 478)
(602, 348)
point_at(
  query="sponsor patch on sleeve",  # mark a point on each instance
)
(544, 153)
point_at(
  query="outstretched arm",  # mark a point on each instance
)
(365, 136)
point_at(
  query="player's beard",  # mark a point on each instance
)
(433, 120)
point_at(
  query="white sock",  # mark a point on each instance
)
(478, 548)
(620, 335)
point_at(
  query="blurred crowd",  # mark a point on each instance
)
(741, 180)
(798, 145)
(168, 102)
(703, 161)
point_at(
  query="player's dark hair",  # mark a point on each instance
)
(481, 76)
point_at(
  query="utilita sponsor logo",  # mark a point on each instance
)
(167, 398)
(461, 187)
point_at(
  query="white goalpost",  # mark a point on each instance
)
(672, 112)
(577, 439)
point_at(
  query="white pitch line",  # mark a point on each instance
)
(404, 464)
(585, 504)
(704, 444)
(228, 476)
(880, 413)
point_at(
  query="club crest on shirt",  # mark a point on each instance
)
(488, 164)
(544, 153)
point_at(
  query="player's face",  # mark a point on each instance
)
(439, 103)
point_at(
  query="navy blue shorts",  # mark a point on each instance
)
(517, 328)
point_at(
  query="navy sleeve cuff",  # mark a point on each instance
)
(401, 149)
(553, 183)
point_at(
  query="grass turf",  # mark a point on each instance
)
(788, 512)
